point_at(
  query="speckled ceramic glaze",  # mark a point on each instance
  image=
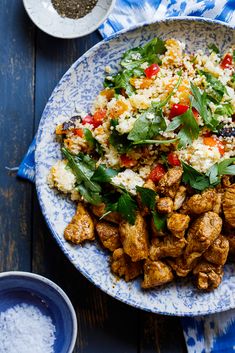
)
(43, 14)
(77, 89)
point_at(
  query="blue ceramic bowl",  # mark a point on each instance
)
(23, 287)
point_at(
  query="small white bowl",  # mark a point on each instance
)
(43, 14)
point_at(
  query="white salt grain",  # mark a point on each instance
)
(24, 329)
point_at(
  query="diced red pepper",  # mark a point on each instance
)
(88, 119)
(177, 109)
(157, 173)
(173, 159)
(227, 62)
(98, 117)
(152, 70)
(78, 132)
(127, 161)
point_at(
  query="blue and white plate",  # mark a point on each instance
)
(77, 89)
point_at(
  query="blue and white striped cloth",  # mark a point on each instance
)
(208, 334)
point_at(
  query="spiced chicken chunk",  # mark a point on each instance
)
(108, 235)
(81, 227)
(122, 265)
(170, 246)
(217, 253)
(165, 205)
(99, 211)
(200, 203)
(156, 273)
(170, 182)
(134, 238)
(208, 276)
(229, 205)
(180, 197)
(177, 223)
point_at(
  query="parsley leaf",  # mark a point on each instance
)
(200, 103)
(148, 198)
(123, 204)
(120, 142)
(103, 174)
(152, 142)
(215, 90)
(93, 143)
(189, 130)
(148, 125)
(195, 179)
(213, 48)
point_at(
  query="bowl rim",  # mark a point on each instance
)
(58, 240)
(93, 28)
(59, 290)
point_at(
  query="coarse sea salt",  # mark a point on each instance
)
(24, 329)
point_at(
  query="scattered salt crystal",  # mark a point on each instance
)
(24, 329)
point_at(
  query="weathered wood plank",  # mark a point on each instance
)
(105, 325)
(16, 131)
(161, 334)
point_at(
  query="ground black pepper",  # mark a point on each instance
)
(73, 8)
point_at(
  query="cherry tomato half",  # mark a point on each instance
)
(173, 159)
(177, 109)
(98, 117)
(157, 173)
(88, 119)
(152, 70)
(126, 161)
(227, 62)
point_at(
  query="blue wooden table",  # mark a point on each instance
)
(31, 63)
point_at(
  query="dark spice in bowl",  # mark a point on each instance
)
(74, 8)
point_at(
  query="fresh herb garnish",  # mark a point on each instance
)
(122, 203)
(92, 142)
(189, 129)
(120, 142)
(200, 103)
(148, 199)
(148, 125)
(195, 179)
(226, 167)
(132, 61)
(152, 142)
(215, 89)
(103, 174)
(213, 48)
(161, 104)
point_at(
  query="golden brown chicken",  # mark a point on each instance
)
(217, 253)
(180, 197)
(170, 182)
(99, 211)
(165, 205)
(122, 266)
(229, 205)
(81, 227)
(208, 276)
(177, 223)
(200, 203)
(169, 246)
(108, 235)
(134, 238)
(156, 273)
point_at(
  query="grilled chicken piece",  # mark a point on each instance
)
(149, 184)
(180, 197)
(229, 205)
(108, 235)
(169, 246)
(134, 238)
(177, 223)
(165, 205)
(231, 239)
(122, 266)
(156, 273)
(217, 253)
(208, 276)
(201, 235)
(201, 203)
(217, 207)
(170, 182)
(99, 211)
(81, 227)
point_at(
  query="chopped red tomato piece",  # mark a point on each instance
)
(78, 132)
(88, 119)
(98, 117)
(152, 70)
(157, 173)
(173, 159)
(212, 142)
(177, 109)
(227, 62)
(127, 161)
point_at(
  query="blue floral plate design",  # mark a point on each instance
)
(77, 89)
